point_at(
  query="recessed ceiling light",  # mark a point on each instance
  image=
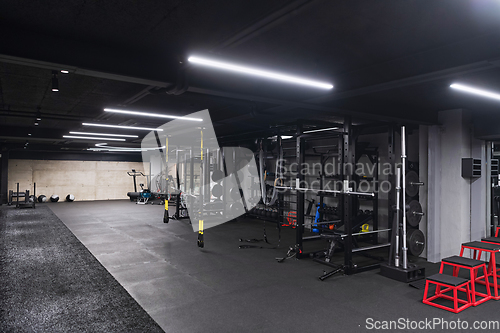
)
(64, 71)
(91, 138)
(156, 115)
(259, 72)
(105, 134)
(124, 127)
(286, 137)
(36, 124)
(29, 134)
(321, 130)
(476, 91)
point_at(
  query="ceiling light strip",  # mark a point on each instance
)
(104, 145)
(124, 127)
(105, 134)
(321, 130)
(155, 115)
(258, 72)
(91, 138)
(476, 91)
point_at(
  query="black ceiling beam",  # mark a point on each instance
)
(111, 61)
(121, 72)
(396, 84)
(255, 29)
(270, 21)
(410, 81)
(83, 155)
(16, 113)
(286, 105)
(79, 70)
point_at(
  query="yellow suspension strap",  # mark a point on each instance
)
(201, 242)
(166, 218)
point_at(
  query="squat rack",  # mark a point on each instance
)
(346, 154)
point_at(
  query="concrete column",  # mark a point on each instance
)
(478, 193)
(422, 173)
(455, 190)
(433, 184)
(4, 179)
(457, 206)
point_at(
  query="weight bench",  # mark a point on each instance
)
(452, 283)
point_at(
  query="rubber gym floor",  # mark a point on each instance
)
(127, 271)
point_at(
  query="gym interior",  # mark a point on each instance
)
(263, 166)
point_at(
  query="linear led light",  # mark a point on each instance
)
(124, 127)
(105, 134)
(156, 115)
(104, 146)
(115, 150)
(258, 72)
(475, 91)
(321, 130)
(90, 138)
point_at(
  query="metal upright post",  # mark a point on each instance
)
(300, 194)
(201, 241)
(166, 217)
(403, 190)
(396, 225)
(375, 201)
(347, 170)
(391, 158)
(191, 171)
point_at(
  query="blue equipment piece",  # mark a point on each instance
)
(316, 219)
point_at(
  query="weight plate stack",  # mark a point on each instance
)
(414, 214)
(410, 178)
(415, 241)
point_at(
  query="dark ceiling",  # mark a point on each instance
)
(390, 61)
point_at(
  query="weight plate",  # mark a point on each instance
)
(252, 169)
(217, 190)
(217, 175)
(411, 177)
(235, 193)
(413, 216)
(237, 208)
(415, 242)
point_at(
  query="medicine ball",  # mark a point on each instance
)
(54, 198)
(70, 198)
(32, 198)
(42, 198)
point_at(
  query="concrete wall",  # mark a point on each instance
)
(456, 206)
(86, 180)
(423, 175)
(455, 190)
